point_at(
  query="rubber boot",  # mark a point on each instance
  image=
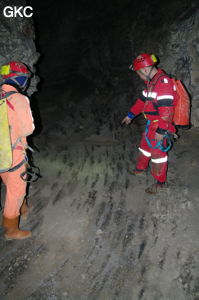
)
(137, 172)
(25, 209)
(12, 231)
(156, 188)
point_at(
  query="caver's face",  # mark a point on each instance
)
(143, 73)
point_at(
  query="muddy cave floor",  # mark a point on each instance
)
(96, 233)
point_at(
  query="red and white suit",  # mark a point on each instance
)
(157, 104)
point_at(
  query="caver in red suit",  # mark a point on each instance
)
(156, 102)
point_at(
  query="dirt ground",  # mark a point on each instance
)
(96, 234)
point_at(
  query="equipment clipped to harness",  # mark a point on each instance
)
(164, 145)
(32, 174)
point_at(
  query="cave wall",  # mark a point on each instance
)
(18, 41)
(98, 41)
(185, 40)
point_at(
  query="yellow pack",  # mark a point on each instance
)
(5, 140)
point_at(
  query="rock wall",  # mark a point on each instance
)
(183, 58)
(17, 41)
(97, 41)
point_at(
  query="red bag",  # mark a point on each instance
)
(181, 116)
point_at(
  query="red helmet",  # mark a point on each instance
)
(144, 60)
(15, 68)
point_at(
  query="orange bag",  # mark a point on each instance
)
(181, 116)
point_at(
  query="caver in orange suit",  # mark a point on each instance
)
(21, 125)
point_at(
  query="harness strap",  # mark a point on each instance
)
(153, 121)
(159, 144)
(9, 94)
(25, 160)
(10, 105)
(15, 144)
(149, 90)
(31, 175)
(6, 95)
(153, 83)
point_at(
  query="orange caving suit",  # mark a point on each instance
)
(21, 125)
(157, 104)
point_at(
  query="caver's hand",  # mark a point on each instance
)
(126, 120)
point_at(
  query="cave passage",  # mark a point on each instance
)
(96, 234)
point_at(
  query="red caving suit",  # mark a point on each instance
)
(157, 104)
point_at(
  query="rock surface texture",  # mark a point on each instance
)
(17, 41)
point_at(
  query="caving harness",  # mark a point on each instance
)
(181, 117)
(168, 138)
(164, 145)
